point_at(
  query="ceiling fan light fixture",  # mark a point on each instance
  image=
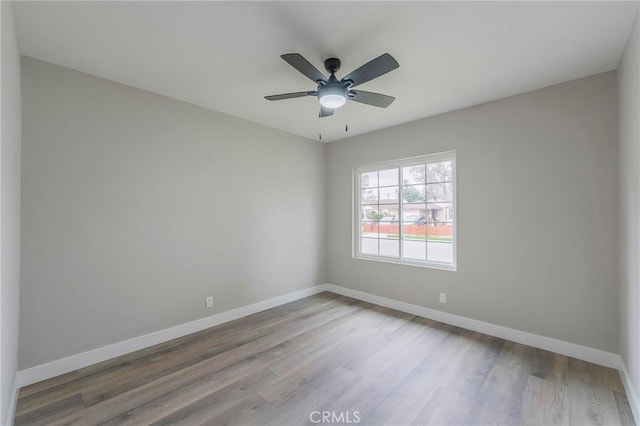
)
(333, 94)
(333, 100)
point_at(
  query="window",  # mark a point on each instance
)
(405, 211)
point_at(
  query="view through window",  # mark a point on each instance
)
(405, 211)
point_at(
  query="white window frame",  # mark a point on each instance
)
(405, 162)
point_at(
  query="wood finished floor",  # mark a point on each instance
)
(332, 353)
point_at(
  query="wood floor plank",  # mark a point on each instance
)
(50, 413)
(217, 403)
(218, 370)
(410, 333)
(390, 320)
(209, 347)
(446, 407)
(138, 370)
(404, 404)
(624, 410)
(298, 374)
(544, 403)
(591, 401)
(242, 413)
(292, 340)
(468, 375)
(500, 398)
(320, 390)
(47, 385)
(386, 370)
(333, 354)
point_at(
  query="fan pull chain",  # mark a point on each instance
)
(346, 123)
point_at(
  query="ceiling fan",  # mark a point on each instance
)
(333, 93)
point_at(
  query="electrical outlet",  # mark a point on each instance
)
(443, 297)
(209, 302)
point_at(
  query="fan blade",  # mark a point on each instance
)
(370, 98)
(325, 112)
(372, 69)
(297, 61)
(290, 95)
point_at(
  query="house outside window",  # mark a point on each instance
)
(405, 211)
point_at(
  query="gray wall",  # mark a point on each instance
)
(537, 212)
(10, 209)
(137, 206)
(629, 111)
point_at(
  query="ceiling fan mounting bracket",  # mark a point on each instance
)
(332, 65)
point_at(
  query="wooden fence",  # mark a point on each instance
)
(440, 230)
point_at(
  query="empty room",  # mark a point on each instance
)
(320, 213)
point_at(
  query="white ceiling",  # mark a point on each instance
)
(226, 55)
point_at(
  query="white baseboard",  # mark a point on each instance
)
(585, 353)
(632, 395)
(13, 400)
(84, 359)
(65, 365)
